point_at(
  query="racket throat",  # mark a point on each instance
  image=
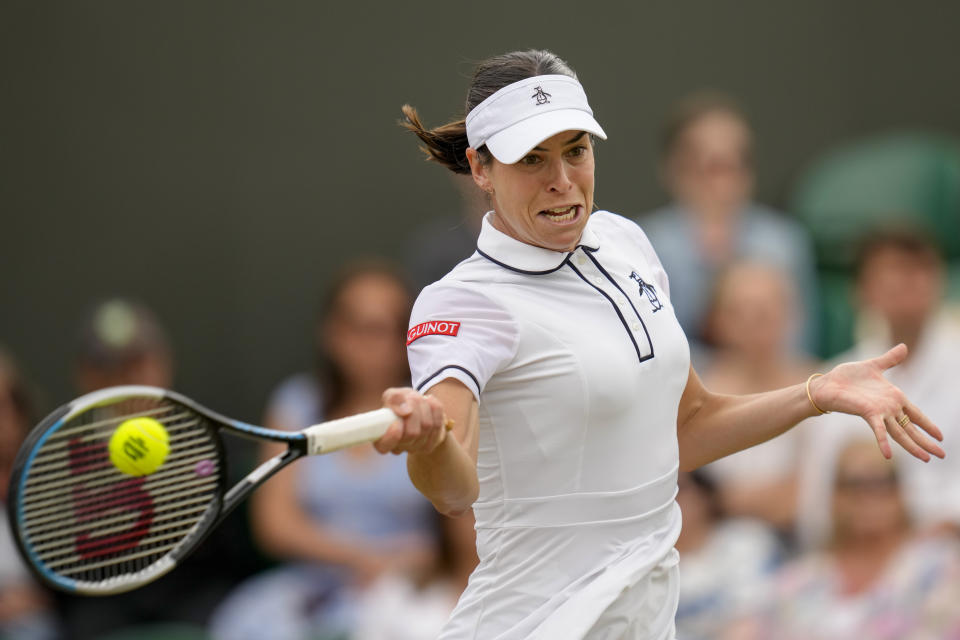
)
(260, 475)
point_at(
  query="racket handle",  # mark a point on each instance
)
(346, 432)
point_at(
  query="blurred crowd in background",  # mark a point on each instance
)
(811, 535)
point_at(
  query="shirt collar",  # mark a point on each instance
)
(519, 256)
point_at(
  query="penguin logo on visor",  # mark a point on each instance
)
(542, 96)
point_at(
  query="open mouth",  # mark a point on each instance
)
(562, 215)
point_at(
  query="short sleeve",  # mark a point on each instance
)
(457, 332)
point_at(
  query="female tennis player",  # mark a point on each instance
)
(556, 351)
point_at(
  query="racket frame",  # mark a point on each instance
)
(222, 503)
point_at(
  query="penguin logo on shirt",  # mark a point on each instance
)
(542, 96)
(647, 290)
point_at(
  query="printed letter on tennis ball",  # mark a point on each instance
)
(139, 446)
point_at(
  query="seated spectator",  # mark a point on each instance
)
(875, 578)
(724, 562)
(397, 608)
(748, 326)
(712, 222)
(349, 520)
(122, 342)
(899, 289)
(26, 612)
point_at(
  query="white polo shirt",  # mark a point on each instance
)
(578, 364)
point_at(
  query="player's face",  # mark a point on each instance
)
(545, 198)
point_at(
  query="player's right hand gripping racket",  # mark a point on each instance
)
(87, 527)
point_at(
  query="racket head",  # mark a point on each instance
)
(86, 527)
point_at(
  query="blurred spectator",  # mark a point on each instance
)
(707, 169)
(395, 608)
(875, 578)
(349, 521)
(724, 562)
(438, 245)
(900, 282)
(25, 609)
(751, 316)
(122, 342)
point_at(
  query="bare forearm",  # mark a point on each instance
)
(444, 468)
(722, 424)
(710, 426)
(447, 476)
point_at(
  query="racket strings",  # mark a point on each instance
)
(83, 447)
(103, 472)
(87, 520)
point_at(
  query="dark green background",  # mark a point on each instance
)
(219, 160)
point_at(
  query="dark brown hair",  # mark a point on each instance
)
(447, 144)
(914, 242)
(332, 380)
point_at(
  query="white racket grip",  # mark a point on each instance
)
(346, 432)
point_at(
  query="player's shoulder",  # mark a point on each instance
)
(468, 275)
(620, 230)
(470, 284)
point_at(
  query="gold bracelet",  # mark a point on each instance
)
(810, 397)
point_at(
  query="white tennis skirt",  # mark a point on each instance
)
(610, 580)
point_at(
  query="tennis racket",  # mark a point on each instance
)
(86, 527)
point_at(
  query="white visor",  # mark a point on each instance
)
(521, 115)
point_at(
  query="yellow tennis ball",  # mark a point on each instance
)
(139, 446)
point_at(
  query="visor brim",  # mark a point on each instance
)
(514, 142)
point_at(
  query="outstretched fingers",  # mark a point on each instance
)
(892, 357)
(880, 431)
(918, 418)
(897, 433)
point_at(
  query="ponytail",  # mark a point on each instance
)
(446, 144)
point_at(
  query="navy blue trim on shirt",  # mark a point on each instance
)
(529, 273)
(630, 302)
(623, 320)
(442, 369)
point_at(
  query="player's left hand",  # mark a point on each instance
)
(422, 427)
(859, 388)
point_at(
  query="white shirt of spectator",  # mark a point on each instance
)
(928, 378)
(578, 364)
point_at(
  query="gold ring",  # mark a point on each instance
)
(903, 420)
